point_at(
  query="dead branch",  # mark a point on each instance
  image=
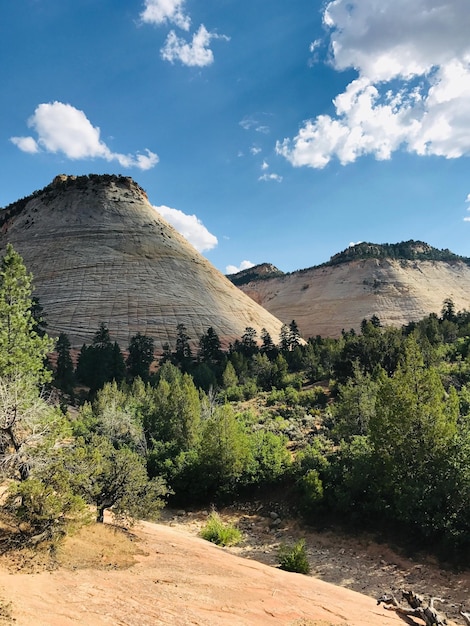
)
(418, 608)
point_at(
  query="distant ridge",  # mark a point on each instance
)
(398, 283)
(407, 250)
(99, 252)
(257, 272)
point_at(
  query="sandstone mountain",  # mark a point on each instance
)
(99, 252)
(397, 282)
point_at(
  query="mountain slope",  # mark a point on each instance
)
(359, 284)
(99, 252)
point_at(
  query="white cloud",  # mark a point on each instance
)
(244, 265)
(194, 54)
(269, 177)
(255, 150)
(61, 128)
(354, 243)
(162, 11)
(468, 199)
(413, 85)
(26, 144)
(264, 165)
(256, 122)
(190, 227)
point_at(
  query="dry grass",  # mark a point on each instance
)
(98, 546)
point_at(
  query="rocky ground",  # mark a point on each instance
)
(164, 574)
(357, 563)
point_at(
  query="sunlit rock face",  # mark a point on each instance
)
(99, 252)
(325, 300)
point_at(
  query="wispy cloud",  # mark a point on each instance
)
(244, 265)
(61, 128)
(166, 11)
(190, 227)
(467, 219)
(413, 86)
(271, 177)
(257, 122)
(194, 53)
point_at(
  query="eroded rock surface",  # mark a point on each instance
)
(99, 252)
(325, 300)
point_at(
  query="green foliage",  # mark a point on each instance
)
(22, 350)
(311, 490)
(64, 377)
(176, 409)
(117, 416)
(219, 533)
(209, 347)
(45, 509)
(101, 362)
(407, 250)
(294, 558)
(355, 405)
(270, 459)
(140, 357)
(224, 450)
(118, 480)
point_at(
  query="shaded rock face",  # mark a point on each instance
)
(99, 252)
(325, 300)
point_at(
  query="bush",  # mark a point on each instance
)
(294, 558)
(219, 533)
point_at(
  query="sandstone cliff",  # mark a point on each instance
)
(99, 252)
(324, 300)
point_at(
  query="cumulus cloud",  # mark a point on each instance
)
(61, 128)
(190, 227)
(193, 54)
(244, 265)
(413, 86)
(165, 11)
(26, 144)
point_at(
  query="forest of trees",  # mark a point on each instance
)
(371, 430)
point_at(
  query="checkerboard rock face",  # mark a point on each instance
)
(99, 252)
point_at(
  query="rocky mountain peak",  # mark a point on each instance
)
(100, 252)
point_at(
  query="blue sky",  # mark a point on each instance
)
(278, 131)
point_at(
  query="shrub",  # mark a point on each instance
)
(294, 558)
(219, 533)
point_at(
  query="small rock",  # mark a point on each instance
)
(273, 515)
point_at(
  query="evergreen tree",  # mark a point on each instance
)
(141, 355)
(22, 350)
(294, 335)
(267, 345)
(101, 362)
(64, 374)
(209, 347)
(22, 365)
(284, 338)
(249, 345)
(182, 356)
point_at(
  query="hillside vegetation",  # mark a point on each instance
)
(372, 427)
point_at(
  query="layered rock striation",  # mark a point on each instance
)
(99, 252)
(327, 299)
